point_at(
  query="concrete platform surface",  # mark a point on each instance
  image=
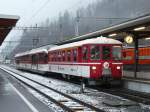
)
(15, 98)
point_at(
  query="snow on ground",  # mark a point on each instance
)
(47, 102)
(90, 96)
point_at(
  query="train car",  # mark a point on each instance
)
(35, 60)
(143, 59)
(94, 60)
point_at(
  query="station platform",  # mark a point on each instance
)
(15, 98)
(141, 83)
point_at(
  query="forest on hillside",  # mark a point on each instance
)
(95, 16)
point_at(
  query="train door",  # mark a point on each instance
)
(85, 68)
(95, 61)
(106, 60)
(34, 61)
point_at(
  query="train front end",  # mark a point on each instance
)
(106, 62)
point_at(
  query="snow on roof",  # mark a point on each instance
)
(22, 54)
(43, 49)
(9, 16)
(98, 40)
(33, 51)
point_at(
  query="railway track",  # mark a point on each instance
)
(67, 102)
(114, 93)
(129, 94)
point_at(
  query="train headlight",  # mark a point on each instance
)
(93, 67)
(118, 67)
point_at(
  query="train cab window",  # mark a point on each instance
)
(74, 55)
(85, 53)
(68, 55)
(95, 52)
(106, 52)
(116, 52)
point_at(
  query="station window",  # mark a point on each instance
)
(74, 55)
(85, 53)
(106, 52)
(95, 52)
(68, 55)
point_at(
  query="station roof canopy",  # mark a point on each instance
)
(139, 27)
(7, 22)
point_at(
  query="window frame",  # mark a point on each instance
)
(100, 54)
(75, 57)
(69, 57)
(87, 55)
(110, 54)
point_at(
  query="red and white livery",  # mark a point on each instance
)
(97, 59)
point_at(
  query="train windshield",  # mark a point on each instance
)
(106, 52)
(95, 52)
(116, 52)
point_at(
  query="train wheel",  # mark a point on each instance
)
(68, 77)
(64, 76)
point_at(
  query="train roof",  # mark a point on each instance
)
(21, 54)
(33, 51)
(43, 49)
(98, 40)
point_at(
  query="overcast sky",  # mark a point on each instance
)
(38, 10)
(33, 12)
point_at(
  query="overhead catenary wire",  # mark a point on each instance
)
(38, 10)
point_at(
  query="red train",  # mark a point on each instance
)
(143, 59)
(95, 60)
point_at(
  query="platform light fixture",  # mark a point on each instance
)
(112, 35)
(148, 38)
(139, 28)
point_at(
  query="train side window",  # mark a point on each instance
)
(85, 53)
(106, 52)
(45, 58)
(54, 56)
(95, 52)
(116, 52)
(51, 56)
(58, 56)
(68, 55)
(63, 55)
(74, 55)
(34, 59)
